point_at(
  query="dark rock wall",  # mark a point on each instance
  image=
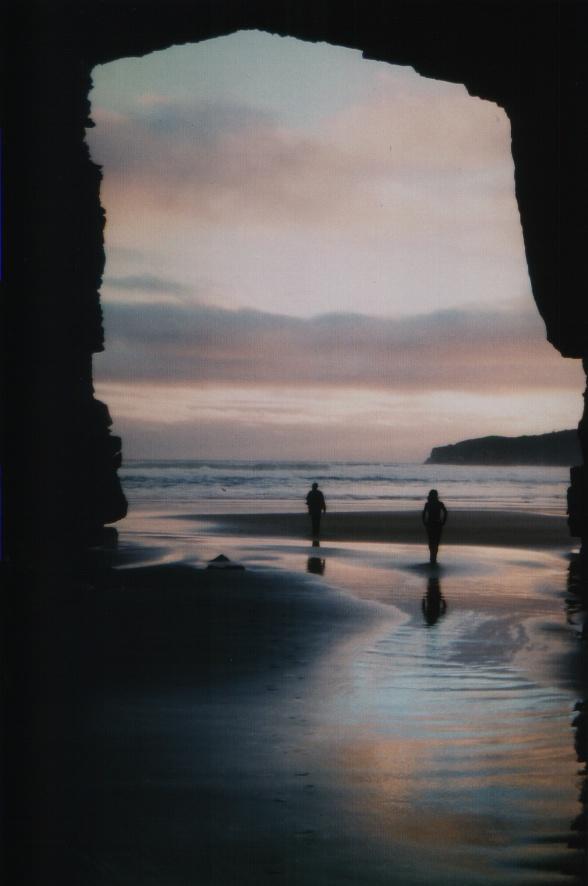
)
(60, 460)
(60, 483)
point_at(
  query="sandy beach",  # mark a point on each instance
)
(336, 714)
(482, 527)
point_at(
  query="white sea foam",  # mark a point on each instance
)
(282, 485)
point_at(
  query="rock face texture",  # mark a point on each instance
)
(60, 460)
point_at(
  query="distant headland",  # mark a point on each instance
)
(556, 448)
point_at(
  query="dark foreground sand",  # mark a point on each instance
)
(496, 528)
(183, 726)
(159, 725)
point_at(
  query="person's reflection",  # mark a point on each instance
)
(433, 605)
(316, 565)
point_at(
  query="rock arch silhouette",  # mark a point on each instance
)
(60, 458)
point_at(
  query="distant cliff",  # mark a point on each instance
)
(557, 448)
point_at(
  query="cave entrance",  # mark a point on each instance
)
(311, 256)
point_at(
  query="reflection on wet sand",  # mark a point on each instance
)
(452, 742)
(433, 605)
(429, 746)
(316, 565)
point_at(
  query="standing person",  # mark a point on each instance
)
(315, 502)
(434, 518)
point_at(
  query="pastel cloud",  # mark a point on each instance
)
(222, 162)
(404, 195)
(258, 421)
(460, 350)
(146, 283)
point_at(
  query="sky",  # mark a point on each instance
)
(311, 255)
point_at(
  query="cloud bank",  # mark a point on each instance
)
(460, 350)
(265, 421)
(226, 162)
(404, 195)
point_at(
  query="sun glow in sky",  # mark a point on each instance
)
(312, 255)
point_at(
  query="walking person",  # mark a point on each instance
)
(434, 518)
(315, 502)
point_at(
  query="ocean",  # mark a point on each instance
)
(211, 486)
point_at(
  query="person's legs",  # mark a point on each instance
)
(434, 533)
(316, 523)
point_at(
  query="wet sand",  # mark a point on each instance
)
(482, 527)
(342, 714)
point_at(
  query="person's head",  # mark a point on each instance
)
(433, 494)
(315, 485)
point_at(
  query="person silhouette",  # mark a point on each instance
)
(434, 518)
(315, 502)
